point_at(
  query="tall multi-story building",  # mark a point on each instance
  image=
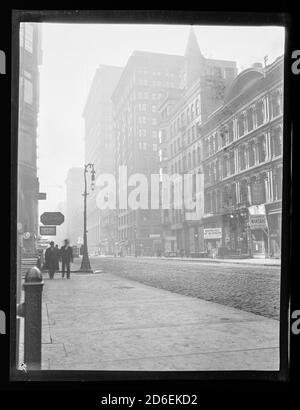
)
(236, 145)
(74, 205)
(136, 98)
(99, 150)
(242, 160)
(28, 183)
(182, 114)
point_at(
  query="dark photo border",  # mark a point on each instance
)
(157, 17)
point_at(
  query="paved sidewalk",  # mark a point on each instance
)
(103, 322)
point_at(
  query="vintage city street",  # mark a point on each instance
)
(159, 314)
(149, 217)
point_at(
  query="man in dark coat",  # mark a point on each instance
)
(51, 260)
(66, 254)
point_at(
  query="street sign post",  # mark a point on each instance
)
(52, 218)
(48, 230)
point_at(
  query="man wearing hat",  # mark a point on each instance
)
(51, 260)
(66, 254)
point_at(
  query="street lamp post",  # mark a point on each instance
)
(85, 263)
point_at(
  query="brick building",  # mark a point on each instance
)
(242, 162)
(136, 100)
(182, 114)
(99, 150)
(238, 148)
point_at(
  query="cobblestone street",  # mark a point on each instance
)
(254, 289)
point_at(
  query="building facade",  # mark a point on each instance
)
(99, 150)
(242, 162)
(238, 149)
(28, 183)
(136, 100)
(182, 115)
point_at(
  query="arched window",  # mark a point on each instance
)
(207, 202)
(276, 141)
(241, 125)
(277, 183)
(262, 149)
(198, 155)
(225, 166)
(217, 167)
(250, 119)
(189, 161)
(243, 191)
(214, 202)
(251, 153)
(260, 113)
(242, 157)
(232, 198)
(276, 103)
(218, 205)
(225, 197)
(194, 157)
(230, 132)
(258, 193)
(231, 163)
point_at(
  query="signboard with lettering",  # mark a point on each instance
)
(257, 221)
(48, 230)
(52, 218)
(212, 233)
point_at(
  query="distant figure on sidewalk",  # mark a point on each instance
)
(66, 254)
(51, 260)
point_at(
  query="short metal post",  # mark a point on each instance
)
(33, 288)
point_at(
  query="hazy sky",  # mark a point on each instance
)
(71, 54)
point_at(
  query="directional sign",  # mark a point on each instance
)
(48, 230)
(52, 218)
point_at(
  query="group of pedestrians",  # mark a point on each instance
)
(54, 255)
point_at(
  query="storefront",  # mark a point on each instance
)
(274, 219)
(212, 240)
(235, 234)
(258, 232)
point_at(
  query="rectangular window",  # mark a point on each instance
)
(28, 37)
(28, 91)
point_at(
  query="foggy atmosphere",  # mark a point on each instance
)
(149, 197)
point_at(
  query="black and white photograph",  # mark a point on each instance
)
(149, 197)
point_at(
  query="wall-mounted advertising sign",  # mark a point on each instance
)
(257, 221)
(212, 233)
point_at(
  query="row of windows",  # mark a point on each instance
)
(185, 139)
(254, 191)
(144, 120)
(146, 146)
(245, 122)
(145, 107)
(248, 155)
(187, 162)
(156, 83)
(182, 120)
(146, 95)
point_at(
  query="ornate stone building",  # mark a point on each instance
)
(242, 162)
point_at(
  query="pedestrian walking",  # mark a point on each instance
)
(51, 260)
(66, 254)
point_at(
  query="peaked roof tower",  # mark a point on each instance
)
(193, 59)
